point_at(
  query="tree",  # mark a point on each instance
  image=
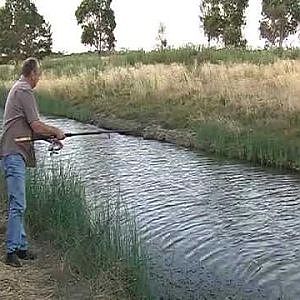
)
(161, 37)
(97, 20)
(280, 19)
(23, 31)
(211, 19)
(223, 20)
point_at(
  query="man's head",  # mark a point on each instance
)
(31, 71)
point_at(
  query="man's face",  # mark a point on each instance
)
(35, 77)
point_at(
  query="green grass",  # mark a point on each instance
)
(92, 240)
(55, 107)
(72, 64)
(62, 108)
(261, 146)
(8, 73)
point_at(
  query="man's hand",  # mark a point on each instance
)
(60, 134)
(40, 128)
(58, 145)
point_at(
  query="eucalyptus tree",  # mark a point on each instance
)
(23, 31)
(97, 20)
(223, 20)
(280, 18)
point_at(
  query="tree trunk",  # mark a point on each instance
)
(100, 45)
(281, 37)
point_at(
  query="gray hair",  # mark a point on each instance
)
(29, 65)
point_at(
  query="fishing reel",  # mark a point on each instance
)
(55, 146)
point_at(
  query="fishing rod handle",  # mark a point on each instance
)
(32, 139)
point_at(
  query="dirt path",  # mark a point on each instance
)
(43, 278)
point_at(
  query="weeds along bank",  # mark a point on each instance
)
(246, 106)
(101, 248)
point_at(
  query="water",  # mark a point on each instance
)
(214, 230)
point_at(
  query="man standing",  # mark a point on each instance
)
(21, 119)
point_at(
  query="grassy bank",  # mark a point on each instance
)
(101, 247)
(244, 111)
(245, 106)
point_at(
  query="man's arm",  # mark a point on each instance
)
(40, 128)
(31, 114)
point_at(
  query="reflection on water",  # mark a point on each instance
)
(214, 230)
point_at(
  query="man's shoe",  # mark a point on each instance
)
(26, 255)
(12, 260)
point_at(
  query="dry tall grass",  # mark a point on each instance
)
(231, 92)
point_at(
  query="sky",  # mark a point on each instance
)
(138, 22)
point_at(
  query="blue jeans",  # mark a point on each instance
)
(14, 171)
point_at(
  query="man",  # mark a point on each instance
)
(21, 119)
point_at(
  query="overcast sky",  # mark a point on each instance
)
(138, 22)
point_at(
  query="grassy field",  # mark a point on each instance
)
(102, 247)
(240, 104)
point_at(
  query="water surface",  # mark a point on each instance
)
(214, 230)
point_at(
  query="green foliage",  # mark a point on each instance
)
(23, 31)
(211, 19)
(280, 19)
(93, 240)
(223, 20)
(97, 20)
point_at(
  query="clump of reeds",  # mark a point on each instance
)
(92, 240)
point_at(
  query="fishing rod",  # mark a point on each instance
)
(67, 135)
(56, 145)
